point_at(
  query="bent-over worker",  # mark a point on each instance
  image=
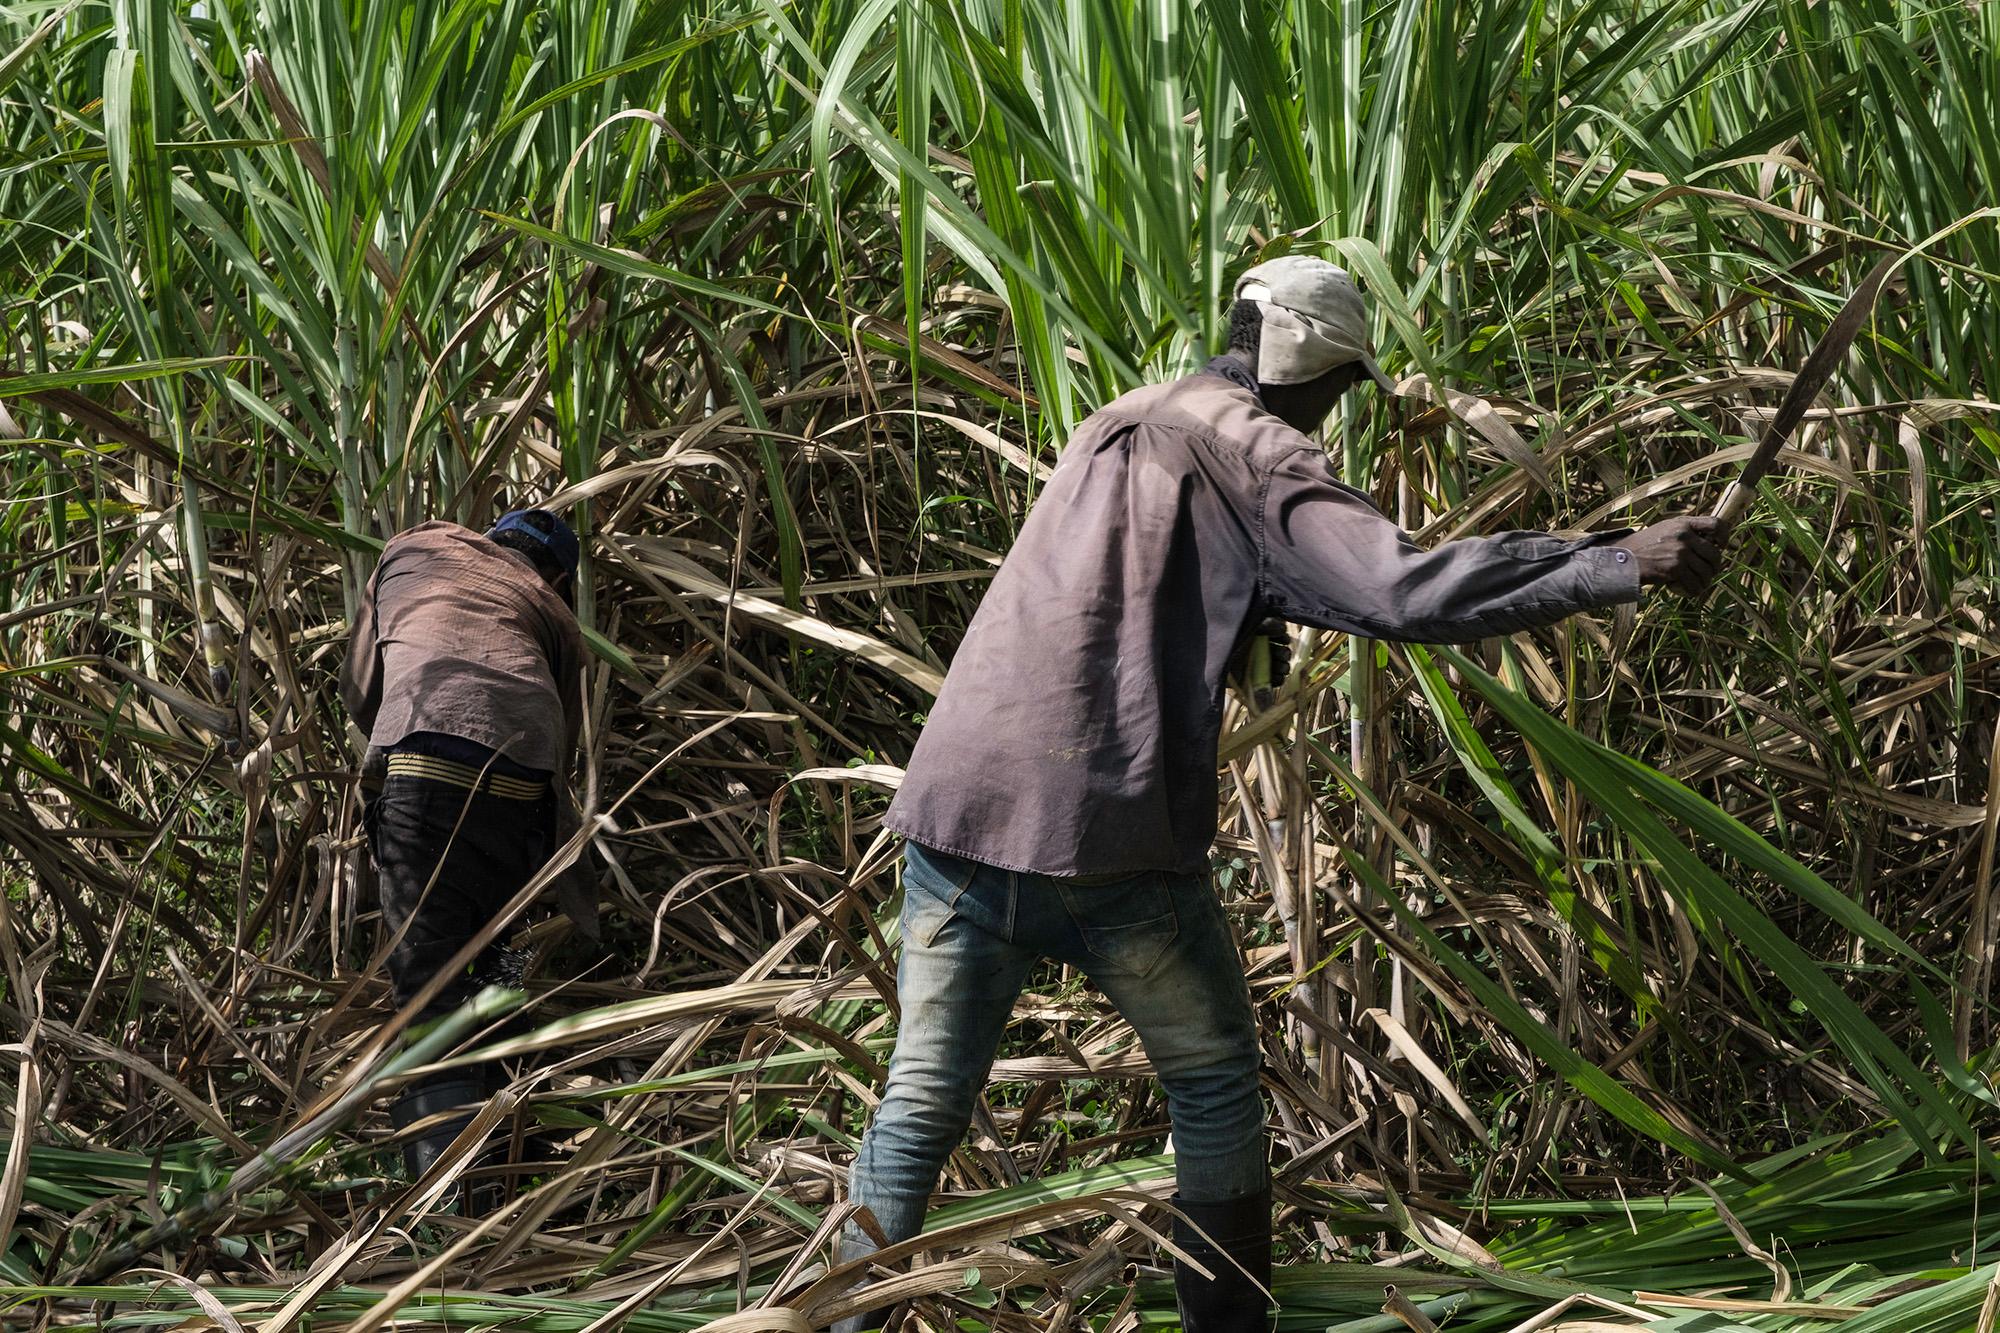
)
(1061, 800)
(464, 673)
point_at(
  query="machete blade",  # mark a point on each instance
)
(1812, 377)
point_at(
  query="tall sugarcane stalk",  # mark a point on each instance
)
(214, 639)
(1279, 805)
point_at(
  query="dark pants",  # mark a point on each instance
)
(455, 834)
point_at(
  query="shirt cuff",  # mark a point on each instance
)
(1610, 574)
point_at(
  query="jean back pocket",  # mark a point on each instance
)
(1128, 925)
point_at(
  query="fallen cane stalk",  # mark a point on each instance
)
(1399, 1306)
(289, 1152)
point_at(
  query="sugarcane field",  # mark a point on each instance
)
(998, 666)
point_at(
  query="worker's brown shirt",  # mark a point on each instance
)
(1076, 732)
(459, 635)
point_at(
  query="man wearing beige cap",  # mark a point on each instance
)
(1062, 798)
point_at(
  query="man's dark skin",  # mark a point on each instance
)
(1682, 553)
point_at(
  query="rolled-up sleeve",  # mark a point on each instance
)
(1330, 559)
(361, 670)
(568, 665)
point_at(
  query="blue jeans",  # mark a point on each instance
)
(1156, 944)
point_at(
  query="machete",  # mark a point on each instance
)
(1812, 377)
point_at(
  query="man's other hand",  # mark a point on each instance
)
(1683, 553)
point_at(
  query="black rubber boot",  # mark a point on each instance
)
(440, 1107)
(1237, 1250)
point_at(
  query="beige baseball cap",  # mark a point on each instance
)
(1314, 320)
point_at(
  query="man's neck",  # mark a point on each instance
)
(1302, 407)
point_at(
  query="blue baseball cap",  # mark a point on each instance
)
(561, 542)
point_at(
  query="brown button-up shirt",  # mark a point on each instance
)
(459, 635)
(1076, 732)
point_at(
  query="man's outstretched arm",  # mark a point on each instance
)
(1330, 559)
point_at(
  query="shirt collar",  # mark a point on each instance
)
(1231, 369)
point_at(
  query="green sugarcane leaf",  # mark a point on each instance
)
(1605, 776)
(13, 385)
(1550, 1049)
